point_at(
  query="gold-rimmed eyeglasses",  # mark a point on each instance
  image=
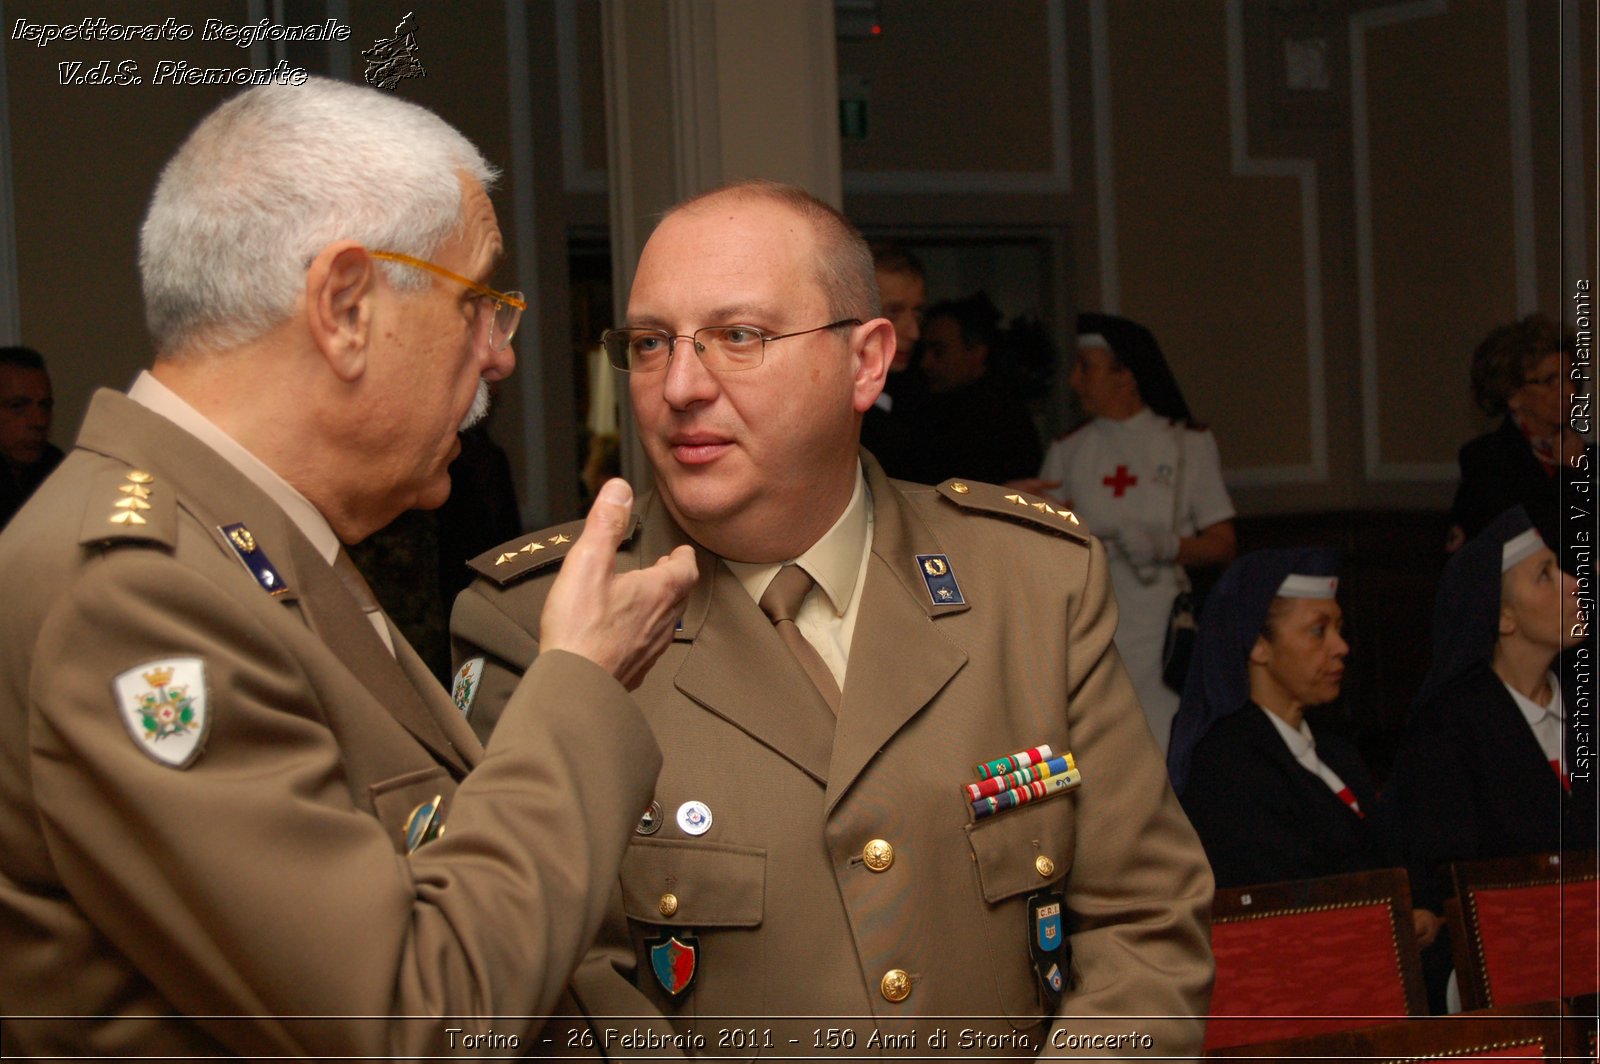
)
(722, 348)
(507, 306)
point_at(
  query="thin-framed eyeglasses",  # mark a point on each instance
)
(721, 348)
(507, 307)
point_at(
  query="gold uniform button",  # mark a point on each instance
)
(669, 904)
(959, 488)
(1046, 867)
(879, 855)
(895, 985)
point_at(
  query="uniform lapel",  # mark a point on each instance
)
(335, 617)
(899, 659)
(436, 700)
(739, 669)
(1521, 755)
(1266, 738)
(736, 665)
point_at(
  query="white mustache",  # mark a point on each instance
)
(480, 406)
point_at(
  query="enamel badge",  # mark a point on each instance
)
(673, 959)
(465, 685)
(424, 824)
(163, 704)
(1047, 943)
(254, 559)
(941, 580)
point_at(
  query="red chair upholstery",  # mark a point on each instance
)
(1528, 928)
(1312, 956)
(1523, 1032)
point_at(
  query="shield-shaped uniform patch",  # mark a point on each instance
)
(465, 686)
(674, 961)
(163, 704)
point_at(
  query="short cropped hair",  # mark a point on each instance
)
(22, 358)
(1506, 356)
(273, 176)
(889, 257)
(844, 267)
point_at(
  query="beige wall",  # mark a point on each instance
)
(1317, 264)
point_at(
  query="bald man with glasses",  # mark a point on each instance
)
(907, 786)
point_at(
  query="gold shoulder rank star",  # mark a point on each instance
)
(124, 511)
(560, 539)
(504, 558)
(530, 546)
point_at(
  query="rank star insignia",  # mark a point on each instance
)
(557, 540)
(530, 547)
(163, 704)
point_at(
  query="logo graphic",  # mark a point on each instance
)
(163, 704)
(465, 686)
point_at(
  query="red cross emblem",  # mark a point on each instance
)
(1119, 483)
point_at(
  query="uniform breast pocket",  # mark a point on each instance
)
(406, 802)
(1019, 853)
(714, 893)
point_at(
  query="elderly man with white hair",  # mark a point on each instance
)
(237, 814)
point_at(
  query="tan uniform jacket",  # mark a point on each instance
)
(266, 885)
(791, 920)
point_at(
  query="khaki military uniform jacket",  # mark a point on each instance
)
(264, 888)
(791, 916)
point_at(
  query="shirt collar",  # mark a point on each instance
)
(1299, 740)
(834, 560)
(1533, 711)
(159, 399)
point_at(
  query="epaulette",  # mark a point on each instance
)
(1016, 506)
(129, 506)
(525, 555)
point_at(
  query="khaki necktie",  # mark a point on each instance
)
(781, 601)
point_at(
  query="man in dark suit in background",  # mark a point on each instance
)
(26, 406)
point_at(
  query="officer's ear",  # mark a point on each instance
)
(872, 351)
(340, 292)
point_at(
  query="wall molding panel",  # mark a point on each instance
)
(1058, 179)
(1366, 288)
(519, 109)
(1305, 171)
(576, 177)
